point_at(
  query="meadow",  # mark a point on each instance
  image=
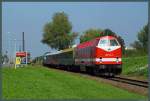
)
(135, 66)
(37, 82)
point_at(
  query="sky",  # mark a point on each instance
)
(124, 18)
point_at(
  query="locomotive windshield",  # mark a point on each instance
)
(104, 42)
(107, 42)
(113, 42)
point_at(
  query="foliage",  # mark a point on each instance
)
(93, 33)
(137, 45)
(1, 58)
(136, 66)
(90, 34)
(43, 83)
(56, 33)
(4, 58)
(134, 53)
(119, 38)
(143, 37)
(37, 60)
(142, 42)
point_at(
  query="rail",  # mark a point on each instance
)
(130, 81)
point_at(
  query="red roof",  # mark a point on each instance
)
(87, 43)
(92, 42)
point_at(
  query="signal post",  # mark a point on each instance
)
(22, 59)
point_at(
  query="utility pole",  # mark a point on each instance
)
(23, 47)
(15, 53)
(23, 42)
(20, 48)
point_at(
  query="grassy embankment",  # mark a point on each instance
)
(43, 83)
(135, 66)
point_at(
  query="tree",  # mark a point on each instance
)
(119, 38)
(122, 43)
(1, 58)
(5, 58)
(108, 32)
(93, 33)
(56, 33)
(137, 45)
(143, 37)
(90, 34)
(142, 42)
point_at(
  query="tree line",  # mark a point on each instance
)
(58, 34)
(142, 42)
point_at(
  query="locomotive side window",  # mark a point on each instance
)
(113, 42)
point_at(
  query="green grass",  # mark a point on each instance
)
(134, 53)
(136, 66)
(43, 83)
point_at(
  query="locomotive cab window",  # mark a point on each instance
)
(103, 42)
(113, 42)
(107, 42)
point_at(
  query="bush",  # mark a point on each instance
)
(134, 53)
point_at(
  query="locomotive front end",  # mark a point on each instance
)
(109, 55)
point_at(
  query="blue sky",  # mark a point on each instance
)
(124, 18)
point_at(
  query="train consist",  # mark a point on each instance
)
(100, 56)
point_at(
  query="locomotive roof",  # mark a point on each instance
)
(91, 42)
(109, 37)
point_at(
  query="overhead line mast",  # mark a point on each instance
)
(23, 42)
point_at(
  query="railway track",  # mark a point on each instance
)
(130, 81)
(123, 80)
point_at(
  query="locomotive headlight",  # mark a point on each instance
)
(100, 59)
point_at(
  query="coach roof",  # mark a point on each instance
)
(61, 51)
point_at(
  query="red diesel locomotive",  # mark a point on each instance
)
(100, 56)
